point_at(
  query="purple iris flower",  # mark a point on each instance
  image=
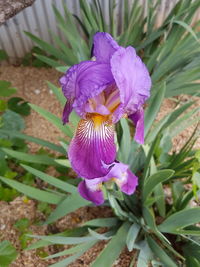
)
(91, 189)
(114, 85)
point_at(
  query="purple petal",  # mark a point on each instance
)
(104, 47)
(95, 105)
(130, 185)
(85, 80)
(123, 177)
(138, 120)
(116, 169)
(132, 79)
(91, 192)
(67, 110)
(92, 145)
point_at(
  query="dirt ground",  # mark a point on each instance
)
(31, 84)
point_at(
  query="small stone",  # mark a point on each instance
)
(37, 91)
(2, 227)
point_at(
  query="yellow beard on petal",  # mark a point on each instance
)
(98, 120)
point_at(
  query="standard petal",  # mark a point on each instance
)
(91, 191)
(132, 79)
(138, 120)
(104, 47)
(92, 146)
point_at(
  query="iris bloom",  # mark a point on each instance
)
(91, 189)
(114, 85)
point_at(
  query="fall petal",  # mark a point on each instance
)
(92, 145)
(92, 192)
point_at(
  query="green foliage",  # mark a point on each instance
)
(158, 45)
(7, 253)
(18, 105)
(31, 60)
(3, 55)
(9, 121)
(6, 89)
(22, 226)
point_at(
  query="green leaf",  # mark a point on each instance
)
(152, 181)
(3, 55)
(4, 84)
(71, 57)
(62, 240)
(47, 47)
(132, 235)
(187, 27)
(153, 108)
(53, 119)
(98, 236)
(22, 224)
(102, 222)
(63, 162)
(159, 193)
(68, 260)
(187, 232)
(5, 89)
(69, 204)
(167, 121)
(145, 255)
(13, 134)
(58, 93)
(149, 218)
(73, 249)
(160, 253)
(191, 249)
(32, 158)
(3, 105)
(111, 252)
(69, 232)
(32, 192)
(7, 253)
(125, 143)
(12, 121)
(51, 62)
(18, 105)
(180, 220)
(149, 156)
(51, 180)
(62, 68)
(116, 207)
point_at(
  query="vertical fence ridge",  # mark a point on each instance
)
(39, 18)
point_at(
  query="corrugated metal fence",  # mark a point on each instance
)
(39, 18)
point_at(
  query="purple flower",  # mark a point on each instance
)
(114, 85)
(91, 189)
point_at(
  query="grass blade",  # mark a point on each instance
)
(161, 254)
(53, 119)
(35, 140)
(111, 252)
(180, 220)
(51, 180)
(32, 158)
(69, 204)
(32, 192)
(152, 181)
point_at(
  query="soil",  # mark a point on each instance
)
(31, 84)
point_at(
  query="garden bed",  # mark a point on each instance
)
(33, 88)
